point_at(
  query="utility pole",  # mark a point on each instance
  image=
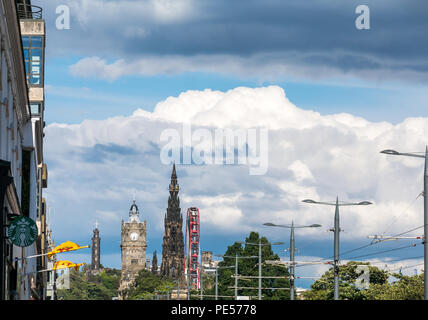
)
(216, 283)
(426, 225)
(260, 261)
(260, 269)
(380, 238)
(236, 267)
(216, 278)
(336, 250)
(292, 261)
(236, 276)
(292, 250)
(202, 295)
(336, 230)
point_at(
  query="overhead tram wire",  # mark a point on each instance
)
(321, 261)
(380, 252)
(384, 239)
(403, 268)
(401, 214)
(373, 242)
(385, 251)
(389, 238)
(388, 262)
(397, 235)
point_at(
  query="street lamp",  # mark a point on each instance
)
(395, 153)
(236, 267)
(260, 259)
(336, 230)
(292, 248)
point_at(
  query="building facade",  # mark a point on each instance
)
(133, 248)
(22, 170)
(208, 265)
(33, 37)
(172, 264)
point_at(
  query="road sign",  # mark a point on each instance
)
(22, 231)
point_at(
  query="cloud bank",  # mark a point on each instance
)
(95, 167)
(269, 39)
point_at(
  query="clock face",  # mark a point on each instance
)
(134, 236)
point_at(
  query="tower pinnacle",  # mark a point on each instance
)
(174, 187)
(134, 214)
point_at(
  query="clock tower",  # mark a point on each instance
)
(133, 247)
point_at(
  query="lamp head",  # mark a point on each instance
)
(269, 224)
(309, 201)
(364, 203)
(389, 151)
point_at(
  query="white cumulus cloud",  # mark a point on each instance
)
(96, 165)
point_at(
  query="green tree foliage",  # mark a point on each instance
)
(406, 288)
(323, 289)
(249, 267)
(85, 286)
(146, 284)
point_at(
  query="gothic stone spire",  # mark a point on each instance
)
(173, 241)
(154, 263)
(173, 211)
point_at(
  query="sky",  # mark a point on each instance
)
(328, 95)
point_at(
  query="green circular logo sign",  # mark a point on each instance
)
(22, 231)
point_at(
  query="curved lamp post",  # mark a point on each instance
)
(336, 230)
(396, 153)
(292, 248)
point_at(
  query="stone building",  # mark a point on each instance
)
(133, 247)
(172, 264)
(208, 265)
(23, 173)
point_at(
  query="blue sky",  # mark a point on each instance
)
(135, 54)
(99, 99)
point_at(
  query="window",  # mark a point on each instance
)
(33, 55)
(25, 182)
(35, 108)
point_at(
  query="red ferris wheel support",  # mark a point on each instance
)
(192, 249)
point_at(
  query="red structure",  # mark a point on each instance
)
(192, 249)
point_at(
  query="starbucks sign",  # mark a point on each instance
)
(22, 231)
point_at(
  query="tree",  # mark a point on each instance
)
(249, 267)
(323, 289)
(146, 284)
(85, 286)
(406, 288)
